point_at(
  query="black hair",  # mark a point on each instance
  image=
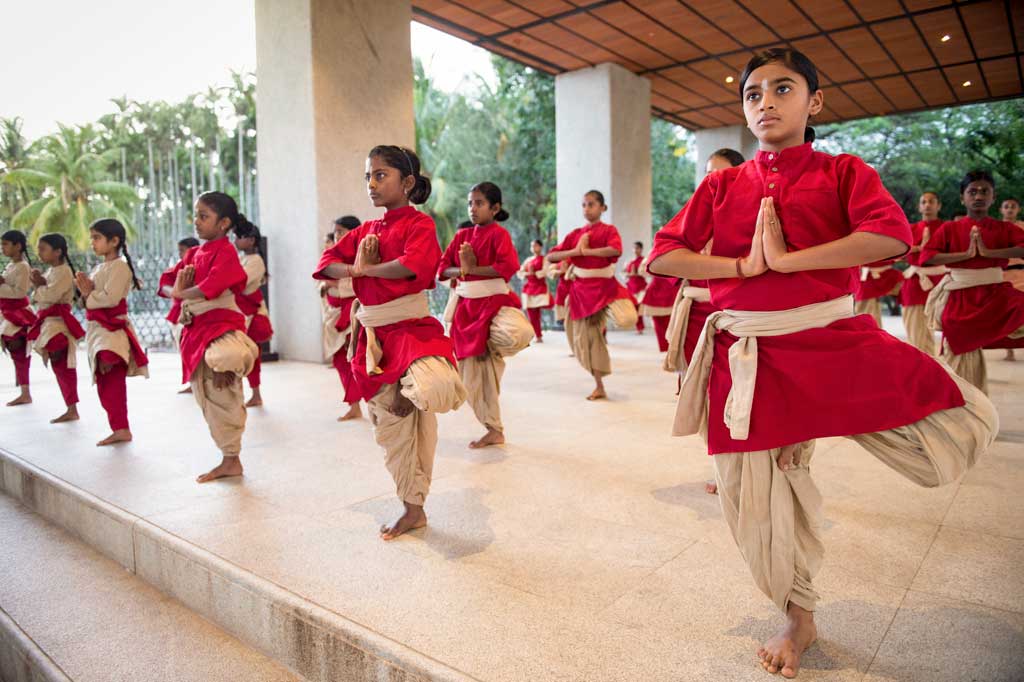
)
(731, 155)
(538, 243)
(246, 229)
(492, 193)
(1013, 199)
(110, 228)
(406, 163)
(58, 242)
(188, 241)
(933, 193)
(597, 195)
(792, 59)
(349, 222)
(640, 244)
(465, 223)
(976, 176)
(17, 237)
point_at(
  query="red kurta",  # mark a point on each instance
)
(471, 324)
(592, 294)
(871, 287)
(699, 311)
(563, 288)
(167, 279)
(217, 269)
(410, 237)
(847, 378)
(662, 291)
(533, 285)
(635, 282)
(911, 292)
(979, 317)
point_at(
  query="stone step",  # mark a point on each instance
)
(290, 632)
(69, 613)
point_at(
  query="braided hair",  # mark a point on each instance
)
(110, 228)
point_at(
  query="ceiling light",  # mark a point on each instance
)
(945, 38)
(729, 79)
(967, 84)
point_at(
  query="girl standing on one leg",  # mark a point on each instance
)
(592, 251)
(248, 240)
(403, 363)
(16, 317)
(536, 296)
(973, 306)
(167, 279)
(56, 332)
(216, 352)
(487, 325)
(636, 281)
(110, 339)
(339, 297)
(920, 279)
(790, 228)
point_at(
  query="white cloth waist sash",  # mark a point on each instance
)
(369, 317)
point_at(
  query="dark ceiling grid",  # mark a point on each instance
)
(931, 52)
(1013, 38)
(970, 44)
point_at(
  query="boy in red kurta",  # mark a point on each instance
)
(783, 361)
(487, 325)
(919, 279)
(536, 296)
(403, 364)
(636, 281)
(592, 251)
(973, 305)
(338, 299)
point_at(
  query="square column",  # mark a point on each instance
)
(711, 140)
(335, 79)
(603, 132)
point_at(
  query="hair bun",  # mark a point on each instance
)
(420, 190)
(501, 216)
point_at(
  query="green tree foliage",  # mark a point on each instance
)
(932, 150)
(13, 156)
(673, 173)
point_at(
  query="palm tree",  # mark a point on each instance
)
(13, 155)
(73, 187)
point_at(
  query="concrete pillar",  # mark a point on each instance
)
(335, 79)
(603, 129)
(711, 140)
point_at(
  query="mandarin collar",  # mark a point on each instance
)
(397, 214)
(790, 155)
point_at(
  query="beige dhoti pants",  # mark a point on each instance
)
(776, 516)
(970, 366)
(569, 327)
(590, 346)
(410, 441)
(482, 377)
(224, 408)
(872, 307)
(919, 334)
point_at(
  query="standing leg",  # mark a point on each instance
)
(970, 365)
(217, 386)
(661, 331)
(112, 386)
(534, 314)
(17, 346)
(919, 334)
(254, 384)
(348, 384)
(591, 350)
(639, 324)
(482, 377)
(67, 380)
(870, 306)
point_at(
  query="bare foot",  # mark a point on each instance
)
(781, 653)
(354, 412)
(229, 466)
(187, 389)
(413, 518)
(255, 401)
(1010, 357)
(119, 436)
(24, 399)
(538, 340)
(492, 437)
(70, 416)
(711, 488)
(598, 394)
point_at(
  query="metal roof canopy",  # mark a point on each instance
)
(874, 57)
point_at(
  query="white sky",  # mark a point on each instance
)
(63, 60)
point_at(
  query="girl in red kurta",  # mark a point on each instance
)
(404, 365)
(536, 296)
(972, 305)
(216, 352)
(487, 325)
(16, 316)
(163, 290)
(592, 251)
(919, 279)
(636, 281)
(111, 342)
(338, 299)
(785, 360)
(659, 299)
(249, 241)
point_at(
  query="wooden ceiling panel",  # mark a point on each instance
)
(870, 55)
(903, 41)
(1001, 74)
(933, 88)
(873, 56)
(989, 28)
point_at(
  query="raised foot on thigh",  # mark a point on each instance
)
(118, 436)
(492, 437)
(229, 466)
(782, 652)
(354, 412)
(413, 518)
(69, 416)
